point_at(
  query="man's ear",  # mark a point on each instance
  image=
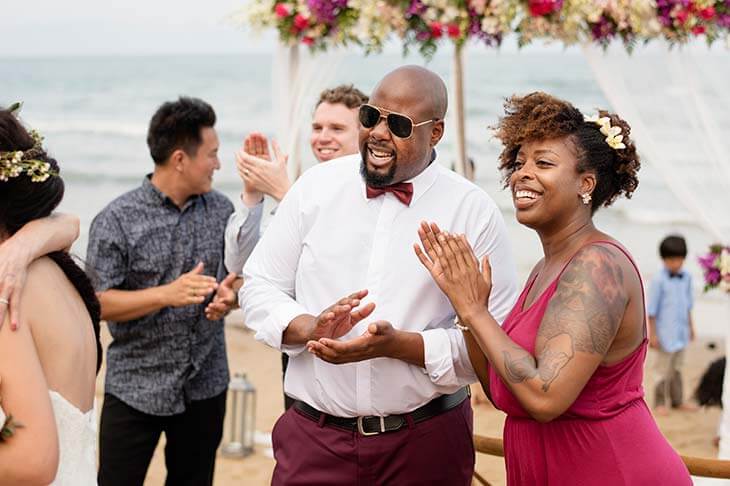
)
(437, 132)
(177, 158)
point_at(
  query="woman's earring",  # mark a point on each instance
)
(586, 197)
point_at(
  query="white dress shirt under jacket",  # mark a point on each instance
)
(328, 240)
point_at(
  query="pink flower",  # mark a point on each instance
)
(539, 8)
(300, 22)
(436, 30)
(453, 31)
(698, 29)
(282, 10)
(308, 41)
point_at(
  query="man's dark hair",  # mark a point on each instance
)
(177, 125)
(673, 246)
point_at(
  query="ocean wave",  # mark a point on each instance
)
(93, 127)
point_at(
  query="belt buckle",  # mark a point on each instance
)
(362, 430)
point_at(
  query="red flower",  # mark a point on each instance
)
(682, 16)
(707, 13)
(539, 8)
(436, 30)
(282, 10)
(308, 41)
(698, 29)
(300, 22)
(454, 31)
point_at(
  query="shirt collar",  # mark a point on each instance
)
(155, 195)
(421, 183)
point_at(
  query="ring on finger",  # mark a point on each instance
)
(246, 172)
(4, 301)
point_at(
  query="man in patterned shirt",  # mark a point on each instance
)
(156, 255)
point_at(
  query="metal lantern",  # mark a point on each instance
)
(241, 417)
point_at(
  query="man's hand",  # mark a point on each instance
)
(14, 261)
(338, 319)
(376, 342)
(224, 301)
(258, 172)
(190, 288)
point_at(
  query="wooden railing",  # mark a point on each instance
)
(697, 466)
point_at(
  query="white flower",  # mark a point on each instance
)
(724, 263)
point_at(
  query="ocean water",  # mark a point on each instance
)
(94, 113)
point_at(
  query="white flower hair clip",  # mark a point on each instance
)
(614, 139)
(18, 162)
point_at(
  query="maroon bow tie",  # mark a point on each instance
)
(403, 191)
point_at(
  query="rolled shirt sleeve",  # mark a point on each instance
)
(242, 233)
(445, 354)
(267, 296)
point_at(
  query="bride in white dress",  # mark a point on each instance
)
(49, 364)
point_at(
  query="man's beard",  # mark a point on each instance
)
(374, 179)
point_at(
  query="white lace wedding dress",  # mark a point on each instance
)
(76, 443)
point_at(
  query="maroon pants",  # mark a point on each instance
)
(437, 451)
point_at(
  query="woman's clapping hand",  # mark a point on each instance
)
(455, 269)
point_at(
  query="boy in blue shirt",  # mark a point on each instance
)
(670, 323)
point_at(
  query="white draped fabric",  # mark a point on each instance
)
(677, 101)
(298, 78)
(678, 105)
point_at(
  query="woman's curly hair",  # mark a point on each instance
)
(540, 116)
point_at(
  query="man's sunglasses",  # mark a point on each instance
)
(399, 125)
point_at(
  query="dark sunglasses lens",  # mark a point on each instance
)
(399, 125)
(369, 116)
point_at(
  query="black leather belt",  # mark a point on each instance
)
(373, 425)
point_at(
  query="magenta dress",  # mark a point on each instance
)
(607, 436)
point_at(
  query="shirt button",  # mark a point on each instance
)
(434, 375)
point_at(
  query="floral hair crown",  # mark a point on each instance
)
(614, 139)
(15, 163)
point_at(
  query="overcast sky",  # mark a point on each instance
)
(108, 27)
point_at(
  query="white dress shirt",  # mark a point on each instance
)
(328, 240)
(242, 233)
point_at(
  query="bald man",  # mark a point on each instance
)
(378, 370)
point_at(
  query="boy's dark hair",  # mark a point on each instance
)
(345, 94)
(673, 246)
(177, 125)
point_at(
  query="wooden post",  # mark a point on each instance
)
(295, 87)
(463, 166)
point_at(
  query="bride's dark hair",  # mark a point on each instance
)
(22, 201)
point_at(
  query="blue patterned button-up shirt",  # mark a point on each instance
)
(160, 361)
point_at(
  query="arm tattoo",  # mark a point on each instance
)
(589, 302)
(519, 369)
(583, 314)
(558, 351)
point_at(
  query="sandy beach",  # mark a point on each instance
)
(690, 433)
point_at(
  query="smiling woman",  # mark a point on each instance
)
(567, 363)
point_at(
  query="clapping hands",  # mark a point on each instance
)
(452, 264)
(225, 299)
(259, 173)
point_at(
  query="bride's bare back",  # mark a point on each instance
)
(62, 332)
